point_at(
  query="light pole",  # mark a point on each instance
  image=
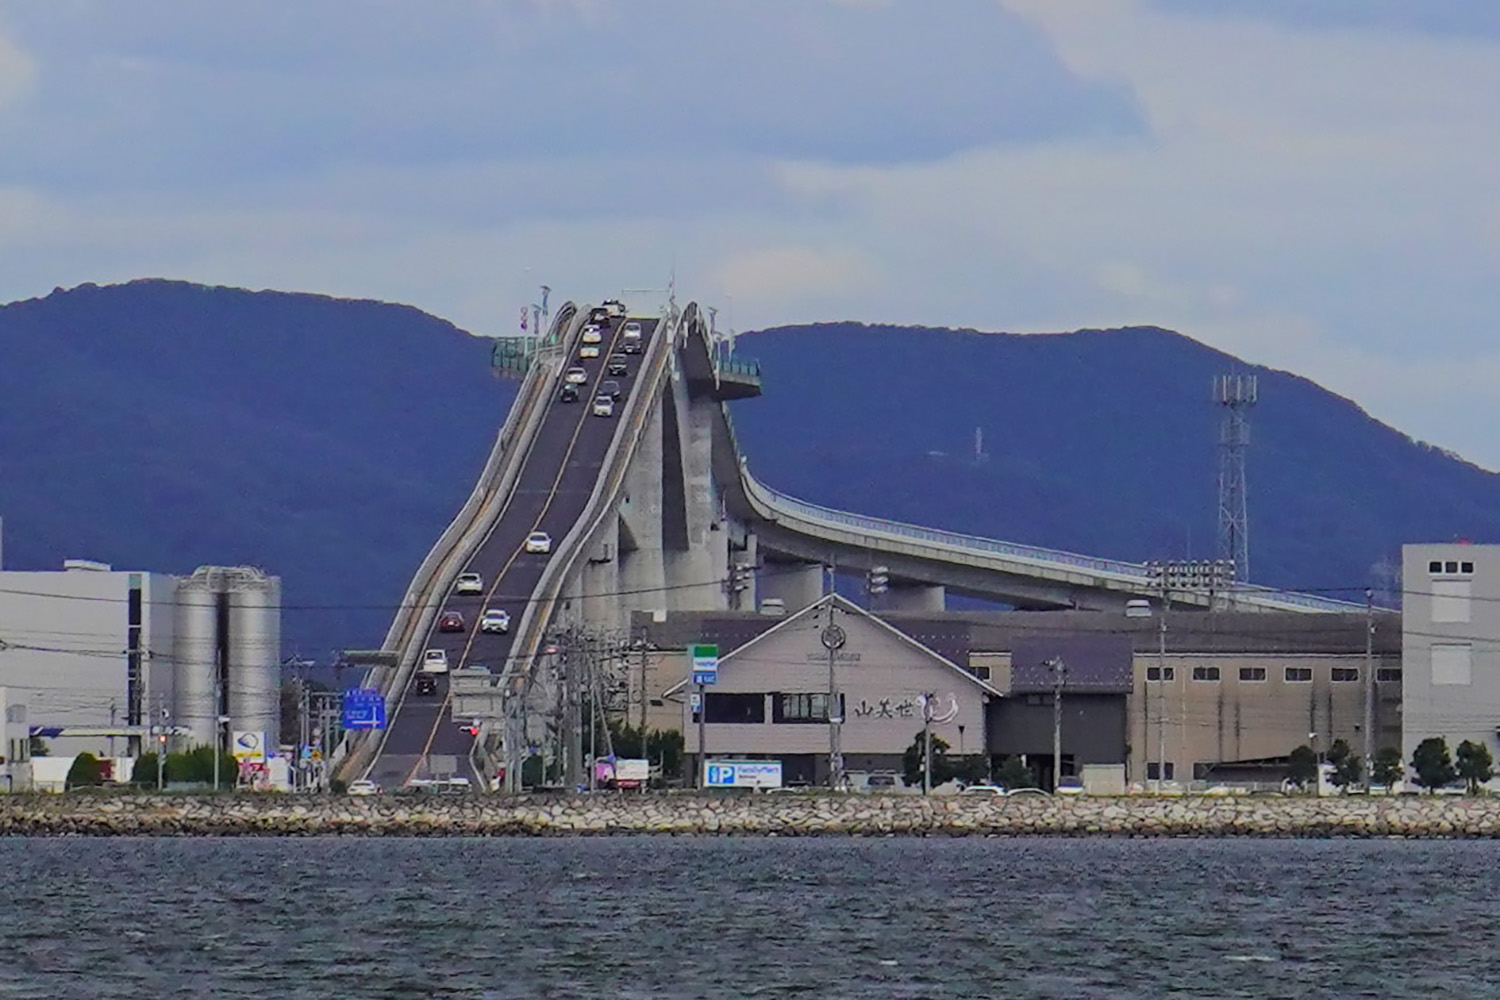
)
(833, 639)
(1059, 671)
(1312, 739)
(1369, 685)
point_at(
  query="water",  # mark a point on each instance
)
(665, 918)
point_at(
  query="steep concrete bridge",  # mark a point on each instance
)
(654, 507)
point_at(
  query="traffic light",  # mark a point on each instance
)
(879, 580)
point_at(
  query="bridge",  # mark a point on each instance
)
(654, 507)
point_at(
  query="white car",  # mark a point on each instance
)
(992, 791)
(576, 376)
(469, 583)
(588, 351)
(495, 620)
(614, 307)
(435, 661)
(592, 334)
(363, 787)
(538, 541)
(604, 406)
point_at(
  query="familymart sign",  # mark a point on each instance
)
(705, 663)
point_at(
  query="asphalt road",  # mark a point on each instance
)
(554, 485)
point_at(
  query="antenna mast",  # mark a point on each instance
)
(1235, 395)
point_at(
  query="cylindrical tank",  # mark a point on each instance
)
(255, 652)
(193, 655)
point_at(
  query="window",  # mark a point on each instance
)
(1153, 771)
(1436, 566)
(1450, 600)
(1204, 769)
(734, 708)
(1450, 567)
(1466, 567)
(800, 708)
(1452, 663)
(1345, 675)
(983, 673)
(1298, 675)
(1205, 673)
(1388, 675)
(1155, 673)
(1252, 674)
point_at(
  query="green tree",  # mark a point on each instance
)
(1475, 765)
(85, 772)
(1432, 764)
(39, 747)
(143, 773)
(912, 760)
(1347, 767)
(1388, 767)
(1015, 774)
(1302, 766)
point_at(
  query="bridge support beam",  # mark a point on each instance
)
(904, 596)
(796, 584)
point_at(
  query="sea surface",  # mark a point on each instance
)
(623, 918)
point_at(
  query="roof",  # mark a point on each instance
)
(1100, 663)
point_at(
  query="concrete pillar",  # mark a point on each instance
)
(797, 584)
(913, 597)
(697, 576)
(642, 574)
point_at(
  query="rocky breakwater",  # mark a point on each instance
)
(790, 815)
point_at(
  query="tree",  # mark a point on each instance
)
(1302, 766)
(912, 759)
(144, 772)
(1347, 767)
(1015, 774)
(39, 747)
(1475, 765)
(85, 772)
(1388, 767)
(1432, 764)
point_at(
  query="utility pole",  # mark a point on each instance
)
(1369, 684)
(1161, 687)
(218, 716)
(927, 699)
(1059, 672)
(833, 639)
(571, 651)
(161, 749)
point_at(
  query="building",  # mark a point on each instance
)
(99, 656)
(1450, 645)
(15, 765)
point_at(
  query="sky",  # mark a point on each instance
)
(1308, 186)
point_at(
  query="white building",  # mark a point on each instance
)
(15, 765)
(100, 655)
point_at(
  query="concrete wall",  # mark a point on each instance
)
(1450, 645)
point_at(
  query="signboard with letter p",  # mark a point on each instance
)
(705, 663)
(742, 774)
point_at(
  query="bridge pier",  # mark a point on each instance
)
(796, 584)
(904, 596)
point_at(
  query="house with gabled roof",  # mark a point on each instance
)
(771, 697)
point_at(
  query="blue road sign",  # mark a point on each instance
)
(720, 776)
(364, 708)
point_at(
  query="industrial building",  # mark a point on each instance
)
(100, 656)
(1216, 697)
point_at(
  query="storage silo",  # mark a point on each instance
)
(193, 653)
(254, 646)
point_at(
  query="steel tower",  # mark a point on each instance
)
(1235, 394)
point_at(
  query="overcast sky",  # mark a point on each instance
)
(1312, 186)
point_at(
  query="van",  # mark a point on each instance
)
(773, 607)
(435, 661)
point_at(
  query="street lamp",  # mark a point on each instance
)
(1312, 741)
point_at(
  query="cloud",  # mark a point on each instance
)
(17, 73)
(791, 275)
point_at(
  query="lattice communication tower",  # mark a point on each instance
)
(1235, 395)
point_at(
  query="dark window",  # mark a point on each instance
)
(800, 708)
(1155, 673)
(1205, 673)
(1467, 567)
(1388, 675)
(734, 707)
(1450, 567)
(1435, 566)
(1298, 675)
(1249, 674)
(1203, 769)
(1346, 674)
(1153, 771)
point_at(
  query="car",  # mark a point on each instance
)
(575, 376)
(881, 782)
(1012, 793)
(469, 583)
(613, 307)
(435, 661)
(363, 786)
(610, 388)
(426, 685)
(495, 620)
(451, 621)
(631, 337)
(588, 352)
(568, 393)
(1070, 784)
(993, 791)
(604, 406)
(618, 365)
(599, 314)
(592, 334)
(538, 541)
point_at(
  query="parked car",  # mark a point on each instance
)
(435, 661)
(451, 621)
(426, 685)
(576, 375)
(1070, 784)
(538, 541)
(882, 782)
(1012, 793)
(568, 393)
(617, 365)
(363, 786)
(610, 388)
(495, 620)
(992, 791)
(604, 406)
(592, 334)
(469, 583)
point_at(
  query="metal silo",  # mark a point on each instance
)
(193, 654)
(254, 652)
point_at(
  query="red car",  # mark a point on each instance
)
(451, 621)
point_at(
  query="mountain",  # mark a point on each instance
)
(160, 425)
(1103, 442)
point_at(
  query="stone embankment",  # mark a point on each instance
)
(799, 815)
